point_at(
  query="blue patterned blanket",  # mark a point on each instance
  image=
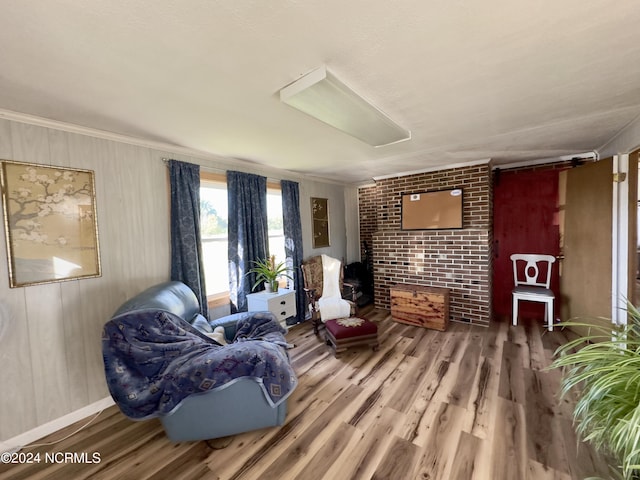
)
(153, 360)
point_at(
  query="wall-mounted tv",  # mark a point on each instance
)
(432, 210)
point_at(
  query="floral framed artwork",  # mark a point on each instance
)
(320, 219)
(50, 223)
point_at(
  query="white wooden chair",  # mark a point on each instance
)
(532, 283)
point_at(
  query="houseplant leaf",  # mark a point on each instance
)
(606, 376)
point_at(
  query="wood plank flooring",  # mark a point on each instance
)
(468, 403)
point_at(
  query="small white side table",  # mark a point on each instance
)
(282, 304)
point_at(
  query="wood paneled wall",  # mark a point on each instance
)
(50, 353)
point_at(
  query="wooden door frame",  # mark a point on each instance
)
(624, 234)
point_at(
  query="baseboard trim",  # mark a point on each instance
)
(15, 443)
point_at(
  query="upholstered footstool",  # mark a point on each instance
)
(345, 333)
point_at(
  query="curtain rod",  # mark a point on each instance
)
(165, 160)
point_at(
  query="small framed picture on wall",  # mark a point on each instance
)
(320, 220)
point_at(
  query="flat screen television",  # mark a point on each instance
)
(432, 210)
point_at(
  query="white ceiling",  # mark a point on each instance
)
(510, 80)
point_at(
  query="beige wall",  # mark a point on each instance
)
(50, 350)
(336, 205)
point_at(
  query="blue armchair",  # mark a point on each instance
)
(159, 362)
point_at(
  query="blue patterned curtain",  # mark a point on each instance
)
(293, 240)
(248, 233)
(186, 249)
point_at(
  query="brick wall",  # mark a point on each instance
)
(456, 259)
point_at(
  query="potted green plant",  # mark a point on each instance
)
(268, 272)
(604, 369)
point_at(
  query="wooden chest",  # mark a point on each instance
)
(420, 306)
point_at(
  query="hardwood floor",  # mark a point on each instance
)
(468, 403)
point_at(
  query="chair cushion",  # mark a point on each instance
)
(351, 327)
(523, 292)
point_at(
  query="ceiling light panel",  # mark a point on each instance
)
(321, 95)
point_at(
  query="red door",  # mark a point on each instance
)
(525, 220)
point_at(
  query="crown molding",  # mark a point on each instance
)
(102, 134)
(222, 163)
(593, 155)
(435, 168)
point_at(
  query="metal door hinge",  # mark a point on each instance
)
(619, 177)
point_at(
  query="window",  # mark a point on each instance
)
(274, 219)
(213, 230)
